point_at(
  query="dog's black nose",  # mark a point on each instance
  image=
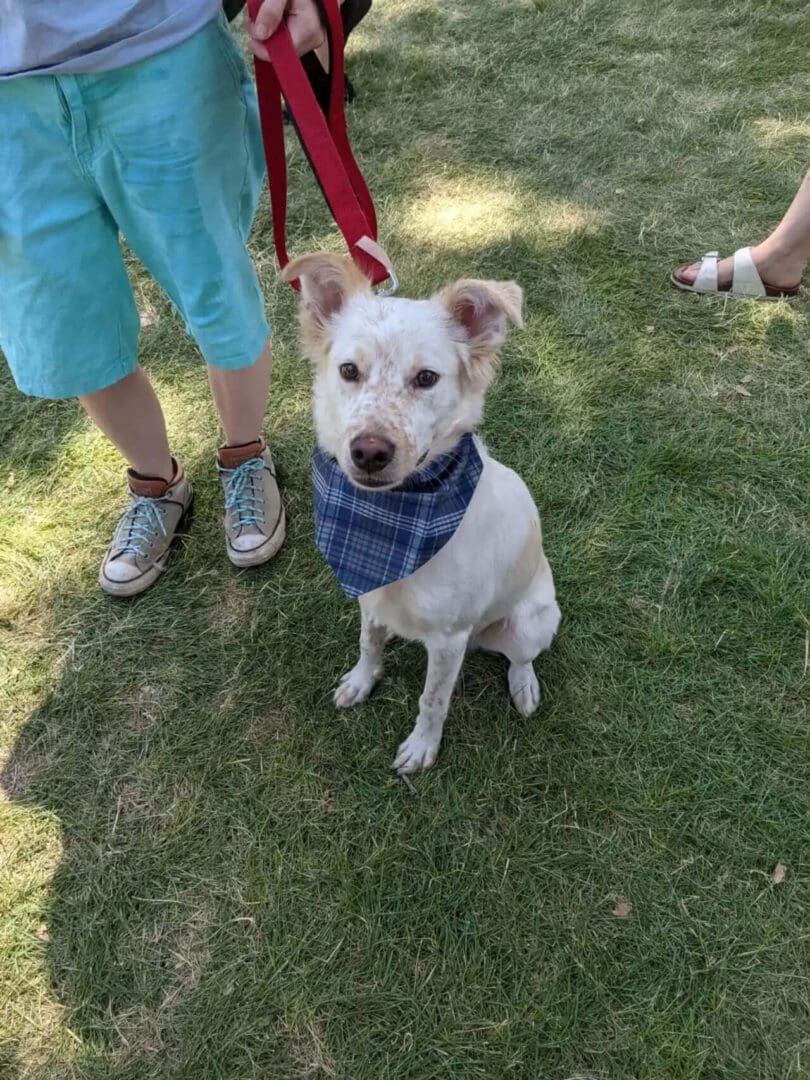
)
(371, 453)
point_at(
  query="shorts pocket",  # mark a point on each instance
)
(230, 53)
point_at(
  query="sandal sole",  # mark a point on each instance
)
(684, 287)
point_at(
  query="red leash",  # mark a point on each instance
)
(325, 142)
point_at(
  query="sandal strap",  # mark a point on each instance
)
(745, 279)
(706, 280)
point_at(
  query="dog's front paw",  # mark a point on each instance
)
(355, 686)
(524, 688)
(419, 751)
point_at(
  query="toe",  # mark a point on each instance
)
(414, 754)
(346, 695)
(526, 700)
(121, 571)
(248, 542)
(525, 689)
(687, 274)
(354, 688)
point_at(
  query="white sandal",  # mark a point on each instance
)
(746, 284)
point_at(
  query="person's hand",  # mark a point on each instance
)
(303, 21)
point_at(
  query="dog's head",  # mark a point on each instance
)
(397, 382)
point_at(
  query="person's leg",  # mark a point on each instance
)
(782, 257)
(186, 212)
(129, 414)
(240, 397)
(68, 320)
(254, 515)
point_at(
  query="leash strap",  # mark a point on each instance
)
(325, 141)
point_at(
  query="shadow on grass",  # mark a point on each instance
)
(243, 886)
(243, 889)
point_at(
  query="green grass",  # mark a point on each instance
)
(206, 872)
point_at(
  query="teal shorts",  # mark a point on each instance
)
(168, 153)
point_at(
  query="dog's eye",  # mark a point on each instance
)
(349, 372)
(425, 379)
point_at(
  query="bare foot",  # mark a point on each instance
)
(779, 269)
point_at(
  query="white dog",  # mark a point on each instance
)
(398, 384)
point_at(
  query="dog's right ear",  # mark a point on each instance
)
(327, 282)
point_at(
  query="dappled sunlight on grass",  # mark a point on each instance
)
(773, 131)
(232, 882)
(459, 213)
(46, 542)
(765, 319)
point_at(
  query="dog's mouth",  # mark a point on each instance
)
(381, 482)
(372, 483)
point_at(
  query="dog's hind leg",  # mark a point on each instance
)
(527, 631)
(357, 684)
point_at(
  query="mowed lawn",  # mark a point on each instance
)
(206, 871)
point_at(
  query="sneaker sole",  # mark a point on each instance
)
(268, 550)
(122, 590)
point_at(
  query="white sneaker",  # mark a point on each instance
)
(143, 537)
(255, 523)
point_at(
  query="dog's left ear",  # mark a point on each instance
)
(483, 310)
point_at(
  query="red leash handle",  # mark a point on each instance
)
(325, 142)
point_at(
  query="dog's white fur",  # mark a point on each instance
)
(490, 587)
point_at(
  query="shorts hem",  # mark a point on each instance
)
(108, 377)
(237, 361)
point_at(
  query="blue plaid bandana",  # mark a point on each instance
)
(371, 538)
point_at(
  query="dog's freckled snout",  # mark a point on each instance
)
(371, 453)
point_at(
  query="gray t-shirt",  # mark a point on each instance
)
(60, 37)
